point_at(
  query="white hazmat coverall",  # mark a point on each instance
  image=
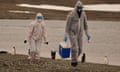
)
(37, 32)
(74, 29)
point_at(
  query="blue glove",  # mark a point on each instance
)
(88, 37)
(65, 38)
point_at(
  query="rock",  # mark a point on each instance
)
(3, 52)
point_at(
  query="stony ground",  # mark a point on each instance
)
(20, 63)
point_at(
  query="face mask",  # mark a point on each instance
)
(39, 20)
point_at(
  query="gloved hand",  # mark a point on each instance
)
(46, 43)
(65, 38)
(88, 37)
(25, 41)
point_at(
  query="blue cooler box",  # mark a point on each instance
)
(64, 52)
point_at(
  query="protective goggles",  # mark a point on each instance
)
(39, 17)
(79, 7)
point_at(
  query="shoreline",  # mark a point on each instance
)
(105, 39)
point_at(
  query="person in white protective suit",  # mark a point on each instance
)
(36, 34)
(76, 23)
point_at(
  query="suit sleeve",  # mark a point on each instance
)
(30, 31)
(44, 31)
(85, 23)
(68, 25)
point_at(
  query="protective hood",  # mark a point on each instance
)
(78, 4)
(39, 16)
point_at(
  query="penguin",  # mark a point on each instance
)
(106, 61)
(83, 58)
(14, 50)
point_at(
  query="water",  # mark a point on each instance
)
(92, 7)
(105, 39)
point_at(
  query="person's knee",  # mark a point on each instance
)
(79, 51)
